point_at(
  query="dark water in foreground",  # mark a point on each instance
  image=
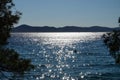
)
(66, 56)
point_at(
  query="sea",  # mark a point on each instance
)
(65, 56)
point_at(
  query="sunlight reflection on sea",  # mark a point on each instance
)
(65, 56)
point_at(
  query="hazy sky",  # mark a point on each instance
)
(61, 13)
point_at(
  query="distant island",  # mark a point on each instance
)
(27, 28)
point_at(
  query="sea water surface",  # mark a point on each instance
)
(65, 56)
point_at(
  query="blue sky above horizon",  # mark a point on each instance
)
(61, 13)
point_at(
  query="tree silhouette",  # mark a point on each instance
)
(9, 59)
(8, 18)
(112, 40)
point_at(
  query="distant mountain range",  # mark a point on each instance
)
(27, 28)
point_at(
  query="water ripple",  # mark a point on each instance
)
(65, 56)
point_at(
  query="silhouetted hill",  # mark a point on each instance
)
(27, 28)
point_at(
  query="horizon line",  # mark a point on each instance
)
(63, 26)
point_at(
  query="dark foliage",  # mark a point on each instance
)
(7, 19)
(10, 60)
(112, 40)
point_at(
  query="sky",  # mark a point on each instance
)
(59, 13)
